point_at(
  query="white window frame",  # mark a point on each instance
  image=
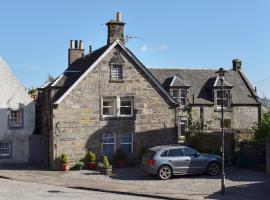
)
(126, 142)
(114, 106)
(181, 122)
(108, 143)
(224, 98)
(11, 125)
(119, 106)
(175, 97)
(185, 97)
(9, 149)
(117, 72)
(179, 97)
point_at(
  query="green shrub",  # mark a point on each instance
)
(91, 156)
(105, 162)
(262, 129)
(78, 165)
(64, 159)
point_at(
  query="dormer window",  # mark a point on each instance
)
(179, 95)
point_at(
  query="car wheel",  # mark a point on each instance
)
(213, 169)
(164, 172)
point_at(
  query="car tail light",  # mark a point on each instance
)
(151, 161)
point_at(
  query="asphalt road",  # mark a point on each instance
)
(18, 190)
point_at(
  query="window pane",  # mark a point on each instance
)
(117, 72)
(175, 93)
(126, 106)
(126, 138)
(15, 117)
(125, 110)
(108, 106)
(125, 102)
(108, 138)
(108, 111)
(126, 148)
(175, 152)
(189, 152)
(164, 154)
(4, 149)
(108, 149)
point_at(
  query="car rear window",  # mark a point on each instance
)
(150, 154)
(175, 152)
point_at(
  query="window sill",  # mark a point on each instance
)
(15, 127)
(103, 118)
(224, 109)
(117, 81)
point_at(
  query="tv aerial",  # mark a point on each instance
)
(129, 37)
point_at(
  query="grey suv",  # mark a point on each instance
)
(165, 161)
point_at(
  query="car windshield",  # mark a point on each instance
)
(149, 154)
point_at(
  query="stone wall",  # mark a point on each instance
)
(268, 155)
(242, 117)
(78, 124)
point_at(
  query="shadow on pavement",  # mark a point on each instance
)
(258, 191)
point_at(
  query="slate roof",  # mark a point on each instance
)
(62, 83)
(202, 82)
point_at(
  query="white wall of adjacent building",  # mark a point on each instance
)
(14, 135)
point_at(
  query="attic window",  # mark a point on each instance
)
(117, 72)
(179, 95)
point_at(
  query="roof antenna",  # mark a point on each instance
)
(128, 37)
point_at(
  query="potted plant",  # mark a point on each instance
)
(120, 158)
(64, 162)
(91, 157)
(78, 165)
(105, 167)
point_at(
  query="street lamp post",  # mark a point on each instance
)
(221, 73)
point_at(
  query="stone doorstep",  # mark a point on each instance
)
(102, 186)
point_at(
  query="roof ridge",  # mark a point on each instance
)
(191, 69)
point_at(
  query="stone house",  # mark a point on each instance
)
(17, 118)
(107, 99)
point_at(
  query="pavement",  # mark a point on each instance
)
(241, 183)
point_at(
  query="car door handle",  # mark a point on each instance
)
(187, 160)
(170, 161)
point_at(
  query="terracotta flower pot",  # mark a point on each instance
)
(92, 165)
(65, 167)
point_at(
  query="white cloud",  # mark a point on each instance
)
(144, 48)
(161, 47)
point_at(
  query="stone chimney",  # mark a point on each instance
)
(75, 52)
(237, 64)
(116, 30)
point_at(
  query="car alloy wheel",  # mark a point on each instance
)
(213, 169)
(164, 172)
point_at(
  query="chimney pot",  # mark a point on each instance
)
(90, 49)
(119, 16)
(76, 44)
(81, 45)
(71, 44)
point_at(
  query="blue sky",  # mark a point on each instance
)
(177, 33)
